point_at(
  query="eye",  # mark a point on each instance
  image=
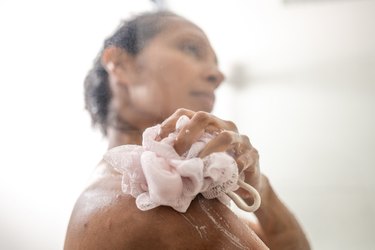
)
(191, 49)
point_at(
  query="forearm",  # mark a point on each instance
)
(280, 228)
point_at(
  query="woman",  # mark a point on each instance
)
(154, 69)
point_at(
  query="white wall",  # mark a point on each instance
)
(307, 105)
(47, 147)
(307, 102)
(316, 145)
(309, 108)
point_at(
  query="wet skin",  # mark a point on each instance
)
(104, 211)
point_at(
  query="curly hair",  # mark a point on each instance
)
(132, 36)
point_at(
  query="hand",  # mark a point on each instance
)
(227, 139)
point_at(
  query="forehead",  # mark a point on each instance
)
(175, 25)
(179, 28)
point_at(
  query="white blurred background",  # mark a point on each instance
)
(301, 84)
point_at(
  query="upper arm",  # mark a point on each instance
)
(105, 218)
(126, 227)
(121, 227)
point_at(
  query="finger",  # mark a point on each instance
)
(225, 141)
(246, 162)
(213, 130)
(194, 129)
(210, 122)
(169, 125)
(249, 164)
(240, 148)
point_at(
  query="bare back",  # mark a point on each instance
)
(105, 218)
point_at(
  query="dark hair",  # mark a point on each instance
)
(132, 36)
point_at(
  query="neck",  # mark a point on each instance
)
(118, 137)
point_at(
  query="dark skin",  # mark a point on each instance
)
(114, 222)
(145, 93)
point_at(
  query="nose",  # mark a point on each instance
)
(213, 75)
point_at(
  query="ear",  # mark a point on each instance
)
(119, 64)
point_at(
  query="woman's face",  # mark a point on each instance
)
(176, 69)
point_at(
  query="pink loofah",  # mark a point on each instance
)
(156, 175)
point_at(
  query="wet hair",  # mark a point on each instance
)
(132, 36)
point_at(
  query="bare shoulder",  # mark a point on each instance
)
(105, 218)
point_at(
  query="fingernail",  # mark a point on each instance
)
(159, 131)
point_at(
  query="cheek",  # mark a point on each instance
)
(174, 78)
(168, 82)
(173, 69)
(177, 81)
